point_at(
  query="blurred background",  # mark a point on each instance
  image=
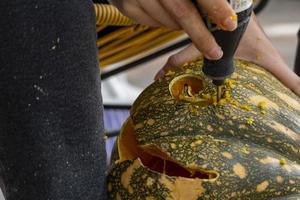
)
(280, 20)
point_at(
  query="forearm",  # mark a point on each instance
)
(256, 47)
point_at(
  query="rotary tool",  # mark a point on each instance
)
(219, 70)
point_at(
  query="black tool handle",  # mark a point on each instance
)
(218, 70)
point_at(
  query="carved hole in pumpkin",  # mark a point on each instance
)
(171, 168)
(154, 158)
(185, 87)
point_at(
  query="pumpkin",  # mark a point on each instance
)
(179, 143)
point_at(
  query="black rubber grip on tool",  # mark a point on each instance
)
(228, 41)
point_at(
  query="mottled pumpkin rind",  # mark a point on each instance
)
(256, 160)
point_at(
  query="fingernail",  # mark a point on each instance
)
(230, 23)
(215, 54)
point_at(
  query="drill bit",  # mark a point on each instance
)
(219, 92)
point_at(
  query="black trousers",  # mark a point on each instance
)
(51, 129)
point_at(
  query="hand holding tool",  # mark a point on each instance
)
(219, 70)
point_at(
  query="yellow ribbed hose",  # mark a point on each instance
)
(110, 15)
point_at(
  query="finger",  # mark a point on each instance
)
(188, 54)
(136, 13)
(158, 12)
(221, 13)
(188, 17)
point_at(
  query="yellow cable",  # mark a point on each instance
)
(124, 32)
(142, 39)
(100, 28)
(125, 38)
(138, 49)
(110, 15)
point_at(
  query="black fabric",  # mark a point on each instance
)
(51, 129)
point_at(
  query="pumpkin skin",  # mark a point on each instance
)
(247, 146)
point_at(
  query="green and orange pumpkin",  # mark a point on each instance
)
(180, 144)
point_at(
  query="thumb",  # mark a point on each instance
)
(188, 54)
